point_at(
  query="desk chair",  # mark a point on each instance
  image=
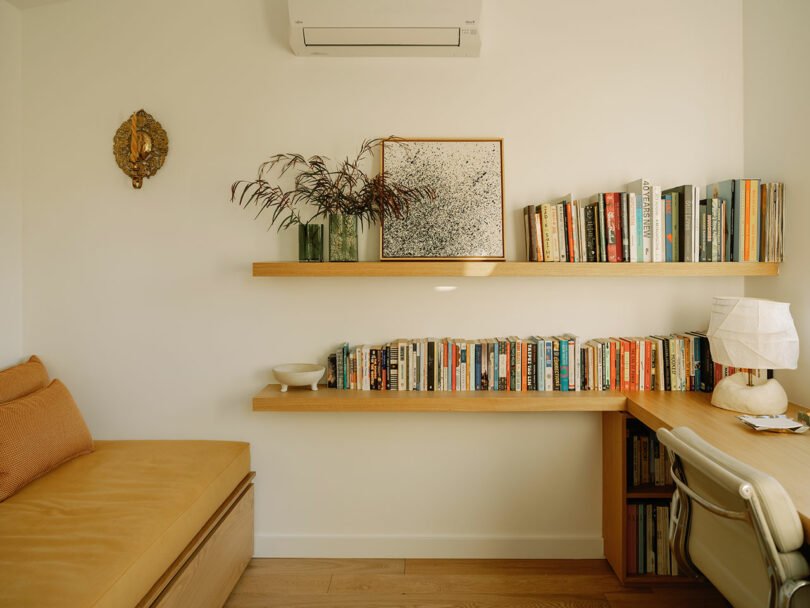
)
(734, 525)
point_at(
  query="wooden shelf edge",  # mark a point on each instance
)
(271, 399)
(512, 269)
(664, 494)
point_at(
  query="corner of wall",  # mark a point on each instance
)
(775, 135)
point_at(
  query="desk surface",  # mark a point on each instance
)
(785, 456)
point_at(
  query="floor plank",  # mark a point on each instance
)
(507, 566)
(703, 596)
(467, 583)
(256, 582)
(562, 584)
(260, 567)
(364, 600)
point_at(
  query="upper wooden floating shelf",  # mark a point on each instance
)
(296, 399)
(513, 269)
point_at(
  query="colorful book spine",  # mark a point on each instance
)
(668, 238)
(612, 222)
(642, 188)
(624, 204)
(602, 228)
(562, 231)
(658, 224)
(590, 234)
(677, 234)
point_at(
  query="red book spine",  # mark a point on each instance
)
(624, 357)
(610, 227)
(633, 365)
(747, 221)
(453, 366)
(538, 228)
(617, 214)
(648, 368)
(613, 369)
(524, 360)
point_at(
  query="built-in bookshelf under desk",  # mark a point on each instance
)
(618, 493)
(513, 269)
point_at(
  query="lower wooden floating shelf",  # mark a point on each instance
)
(297, 399)
(513, 269)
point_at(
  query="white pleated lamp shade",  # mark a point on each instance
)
(753, 333)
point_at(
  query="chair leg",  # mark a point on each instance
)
(787, 591)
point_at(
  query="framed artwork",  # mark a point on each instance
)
(465, 220)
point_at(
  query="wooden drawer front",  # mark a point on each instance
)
(206, 580)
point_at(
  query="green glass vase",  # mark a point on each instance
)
(342, 238)
(310, 242)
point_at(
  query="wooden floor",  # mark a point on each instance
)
(456, 583)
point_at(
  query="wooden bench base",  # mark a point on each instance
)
(208, 568)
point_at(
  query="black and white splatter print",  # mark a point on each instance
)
(466, 218)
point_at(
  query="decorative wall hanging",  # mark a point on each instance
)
(140, 146)
(465, 219)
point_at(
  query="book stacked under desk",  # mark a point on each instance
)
(679, 362)
(739, 220)
(648, 464)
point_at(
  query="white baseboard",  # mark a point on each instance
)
(458, 547)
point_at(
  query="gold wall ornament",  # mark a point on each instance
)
(140, 146)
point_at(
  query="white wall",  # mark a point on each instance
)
(143, 303)
(11, 210)
(777, 132)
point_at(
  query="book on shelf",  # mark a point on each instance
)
(564, 362)
(750, 213)
(648, 550)
(685, 201)
(642, 189)
(739, 220)
(648, 462)
(331, 371)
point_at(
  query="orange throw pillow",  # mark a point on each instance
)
(39, 432)
(22, 379)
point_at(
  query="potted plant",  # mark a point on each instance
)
(345, 195)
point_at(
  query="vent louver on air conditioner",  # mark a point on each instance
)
(446, 28)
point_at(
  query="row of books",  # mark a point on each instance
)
(648, 550)
(740, 220)
(649, 461)
(676, 362)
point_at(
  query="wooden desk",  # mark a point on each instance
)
(784, 456)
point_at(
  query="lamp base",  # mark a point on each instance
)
(733, 393)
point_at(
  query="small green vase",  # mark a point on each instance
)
(342, 238)
(310, 242)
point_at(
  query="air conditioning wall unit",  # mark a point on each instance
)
(429, 28)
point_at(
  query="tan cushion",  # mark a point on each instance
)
(39, 432)
(101, 529)
(22, 379)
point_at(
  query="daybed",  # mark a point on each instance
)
(133, 523)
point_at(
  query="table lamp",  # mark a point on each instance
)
(753, 334)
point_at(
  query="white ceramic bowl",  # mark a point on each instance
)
(299, 374)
